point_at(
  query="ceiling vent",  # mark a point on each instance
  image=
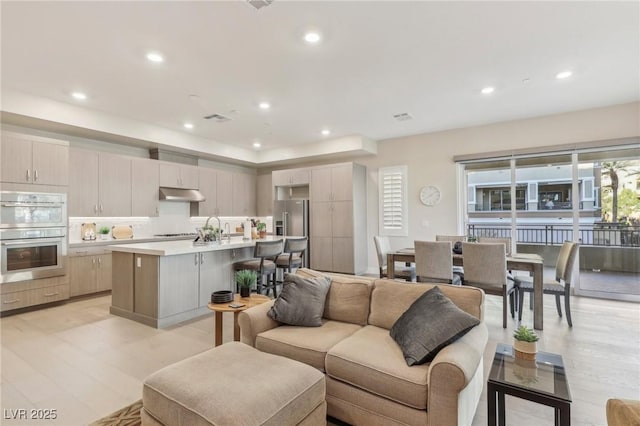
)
(403, 117)
(217, 118)
(258, 4)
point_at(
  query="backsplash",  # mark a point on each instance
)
(173, 218)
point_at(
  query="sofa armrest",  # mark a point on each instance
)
(451, 371)
(254, 321)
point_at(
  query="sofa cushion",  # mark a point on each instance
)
(348, 298)
(301, 301)
(431, 322)
(305, 344)
(390, 299)
(371, 360)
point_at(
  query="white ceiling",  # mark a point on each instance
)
(377, 59)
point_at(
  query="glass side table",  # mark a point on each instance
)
(543, 381)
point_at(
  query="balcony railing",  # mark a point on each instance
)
(609, 235)
(541, 206)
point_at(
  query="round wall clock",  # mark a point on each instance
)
(430, 195)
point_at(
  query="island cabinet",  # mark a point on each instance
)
(99, 184)
(33, 160)
(338, 220)
(162, 290)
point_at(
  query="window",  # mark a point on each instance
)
(393, 201)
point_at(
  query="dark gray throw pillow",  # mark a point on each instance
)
(301, 301)
(432, 322)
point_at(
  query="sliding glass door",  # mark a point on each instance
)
(590, 197)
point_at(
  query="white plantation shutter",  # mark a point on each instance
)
(392, 184)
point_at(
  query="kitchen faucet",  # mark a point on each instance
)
(227, 229)
(217, 233)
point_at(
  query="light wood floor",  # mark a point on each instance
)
(85, 363)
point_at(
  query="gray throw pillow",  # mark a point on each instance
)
(301, 301)
(432, 322)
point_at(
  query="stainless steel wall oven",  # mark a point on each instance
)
(33, 235)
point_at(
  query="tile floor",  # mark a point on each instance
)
(85, 363)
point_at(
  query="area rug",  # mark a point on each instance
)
(127, 416)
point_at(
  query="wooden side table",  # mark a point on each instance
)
(219, 308)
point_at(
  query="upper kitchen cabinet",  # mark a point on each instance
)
(290, 177)
(100, 184)
(332, 183)
(217, 186)
(175, 175)
(208, 187)
(264, 195)
(34, 160)
(145, 181)
(244, 194)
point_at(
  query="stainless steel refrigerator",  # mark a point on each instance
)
(291, 218)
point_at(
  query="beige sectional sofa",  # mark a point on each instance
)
(368, 380)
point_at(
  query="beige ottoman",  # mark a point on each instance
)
(234, 384)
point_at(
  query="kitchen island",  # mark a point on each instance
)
(163, 283)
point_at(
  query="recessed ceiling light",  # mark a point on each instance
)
(312, 37)
(79, 95)
(487, 90)
(326, 132)
(563, 74)
(264, 105)
(188, 125)
(155, 57)
(257, 144)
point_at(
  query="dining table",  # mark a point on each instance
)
(532, 263)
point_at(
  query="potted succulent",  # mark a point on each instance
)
(104, 232)
(245, 280)
(524, 343)
(261, 227)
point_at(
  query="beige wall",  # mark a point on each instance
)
(429, 158)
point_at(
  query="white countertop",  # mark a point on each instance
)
(172, 248)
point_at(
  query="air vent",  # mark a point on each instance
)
(403, 117)
(217, 118)
(259, 3)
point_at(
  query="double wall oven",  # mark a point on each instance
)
(33, 235)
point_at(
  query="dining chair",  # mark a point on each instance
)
(263, 262)
(434, 262)
(560, 287)
(493, 240)
(485, 267)
(293, 254)
(458, 270)
(383, 247)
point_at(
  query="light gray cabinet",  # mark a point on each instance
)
(178, 284)
(100, 184)
(175, 175)
(145, 181)
(89, 272)
(264, 195)
(338, 218)
(214, 274)
(290, 177)
(224, 193)
(33, 160)
(244, 194)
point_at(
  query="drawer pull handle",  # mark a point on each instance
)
(8, 302)
(51, 294)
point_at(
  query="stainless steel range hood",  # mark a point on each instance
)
(178, 194)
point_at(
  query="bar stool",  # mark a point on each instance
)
(293, 255)
(263, 262)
